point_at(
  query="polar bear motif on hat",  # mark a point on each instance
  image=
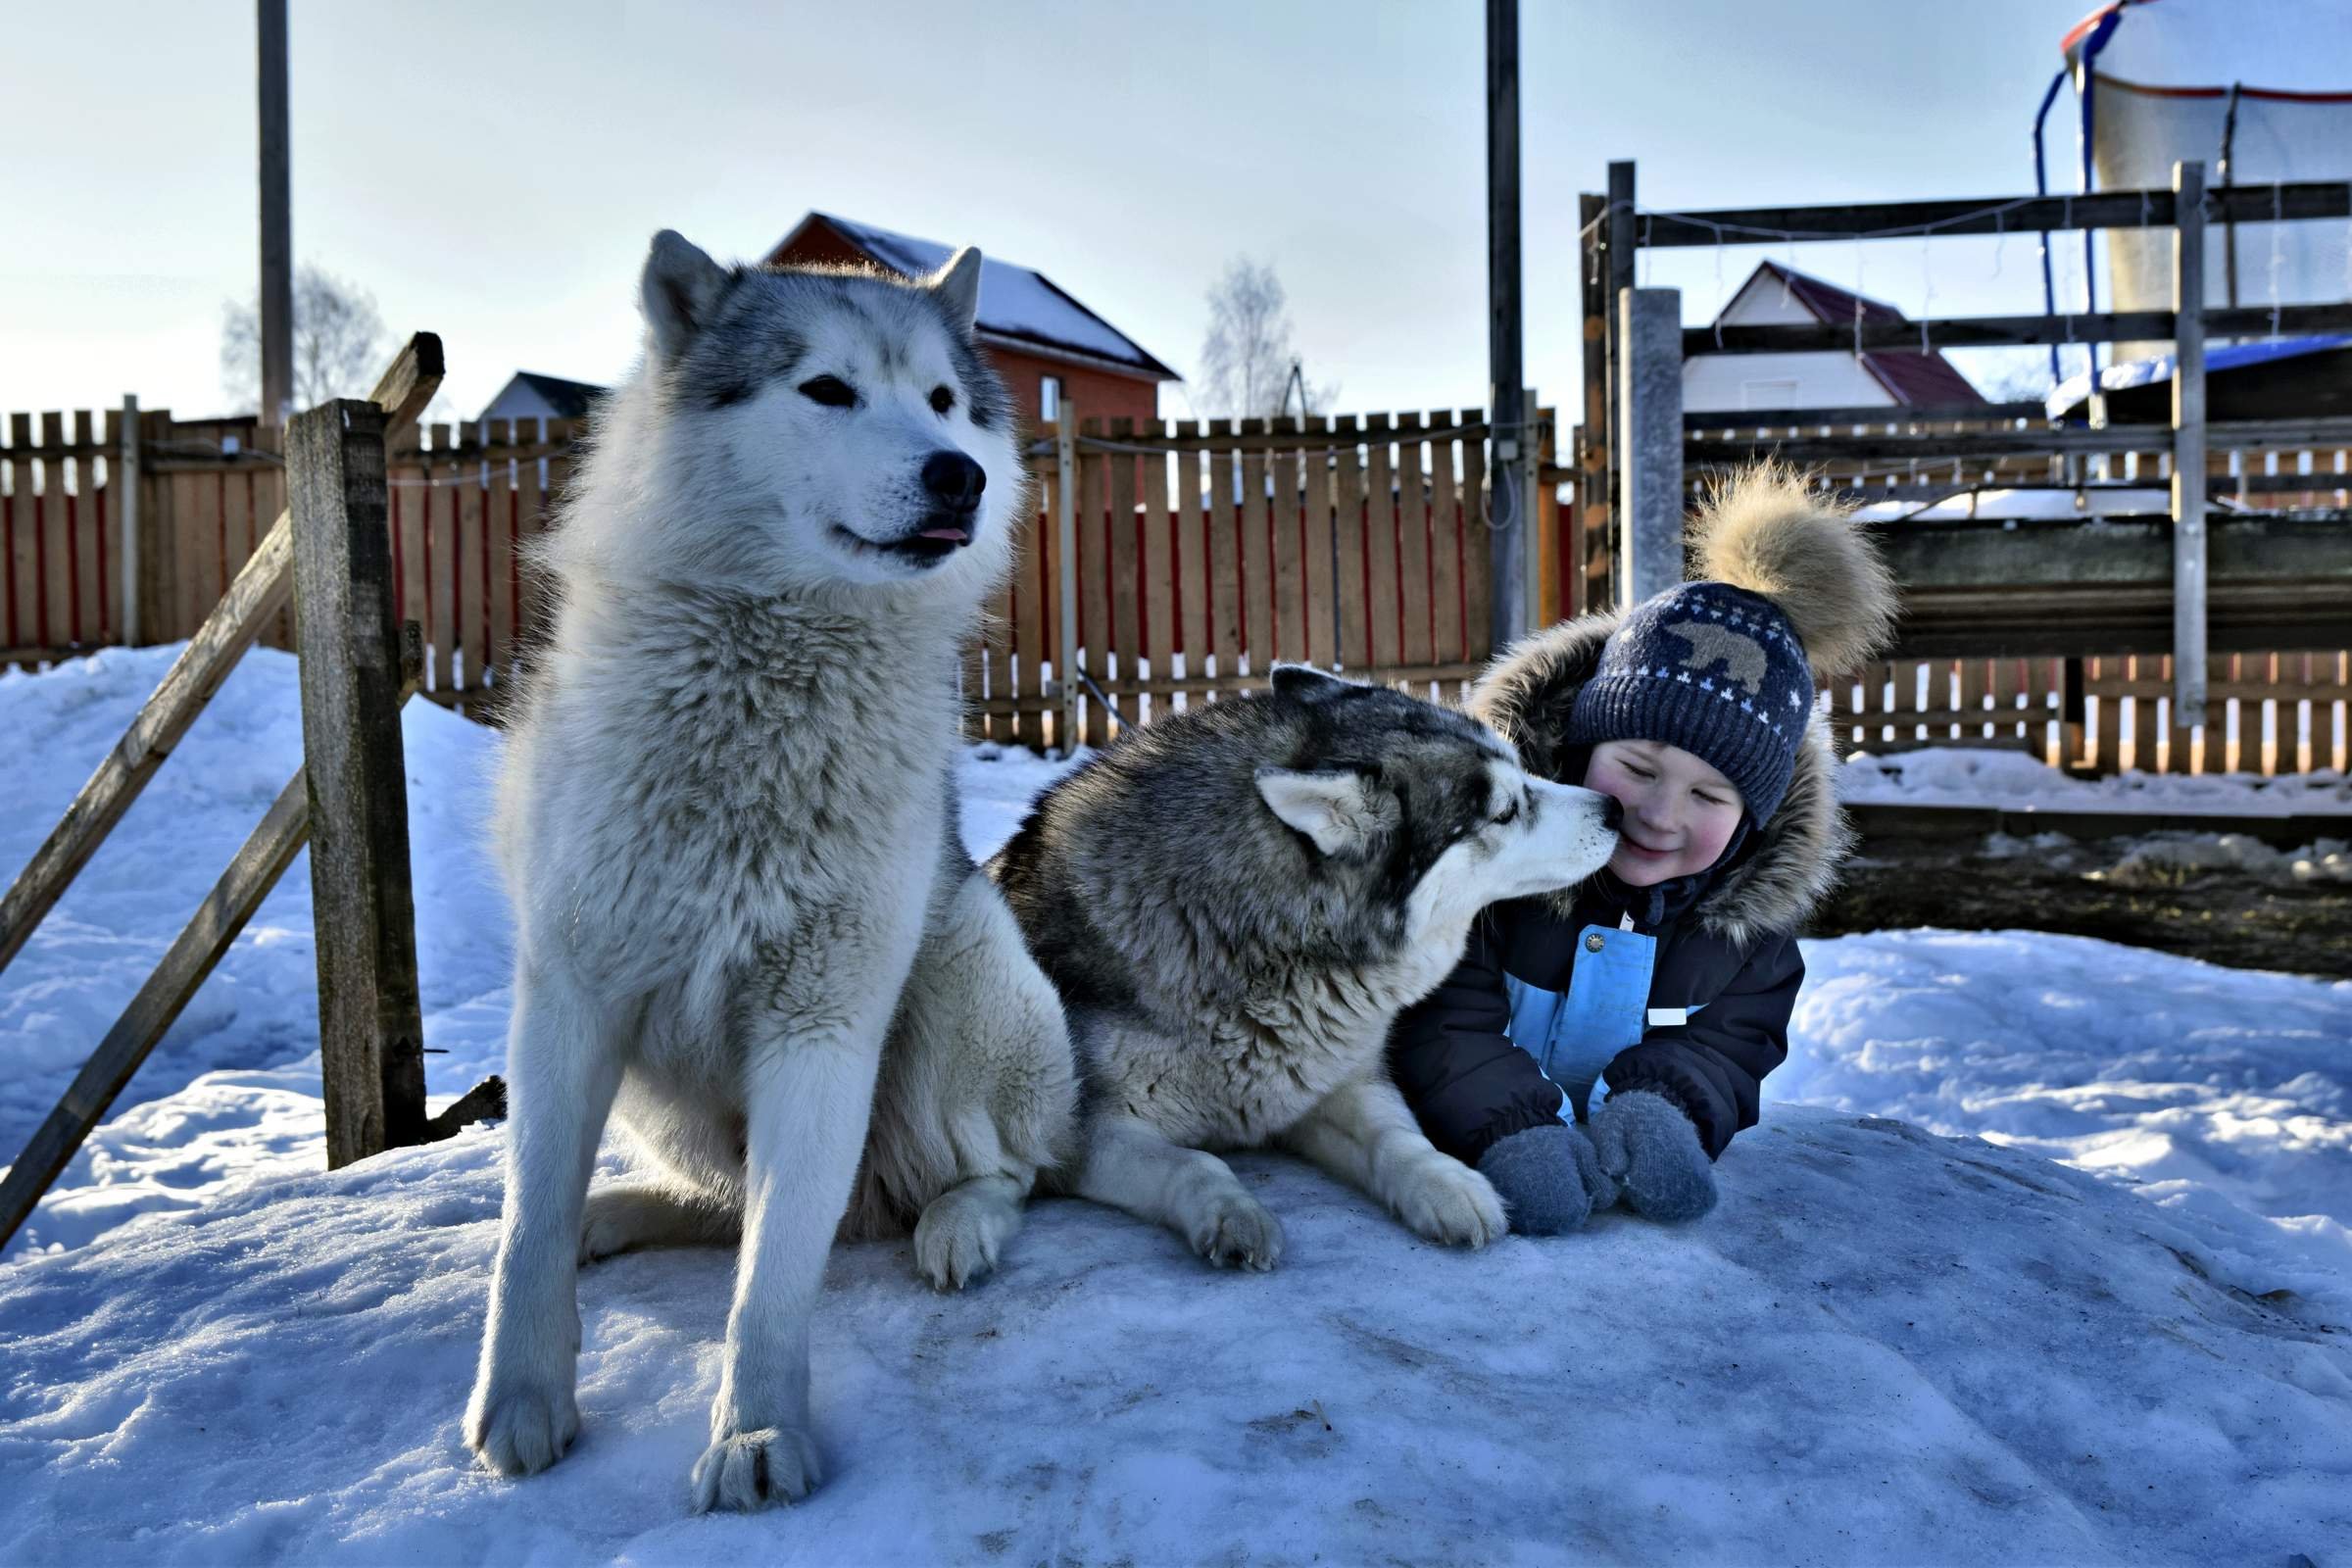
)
(1740, 655)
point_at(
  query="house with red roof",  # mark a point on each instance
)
(1780, 295)
(1047, 345)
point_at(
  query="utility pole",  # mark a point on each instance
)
(1506, 403)
(277, 228)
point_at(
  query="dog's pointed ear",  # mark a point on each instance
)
(1344, 813)
(682, 287)
(958, 285)
(1309, 684)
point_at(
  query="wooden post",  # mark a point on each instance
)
(1065, 575)
(1533, 512)
(2189, 444)
(277, 223)
(1651, 401)
(1513, 451)
(1594, 500)
(124, 482)
(371, 1035)
(1619, 229)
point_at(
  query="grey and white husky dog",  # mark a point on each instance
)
(726, 822)
(1236, 902)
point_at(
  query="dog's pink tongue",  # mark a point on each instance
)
(955, 536)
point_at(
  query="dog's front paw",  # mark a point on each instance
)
(520, 1427)
(747, 1470)
(956, 1244)
(1235, 1231)
(1444, 1200)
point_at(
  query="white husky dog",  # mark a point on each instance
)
(726, 825)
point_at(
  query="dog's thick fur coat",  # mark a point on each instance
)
(1235, 902)
(726, 824)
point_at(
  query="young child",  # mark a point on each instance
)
(1605, 1042)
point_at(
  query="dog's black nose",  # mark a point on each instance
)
(1613, 813)
(954, 480)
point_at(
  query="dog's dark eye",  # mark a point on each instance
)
(1510, 814)
(830, 390)
(942, 400)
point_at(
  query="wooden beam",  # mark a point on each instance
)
(260, 591)
(1873, 415)
(250, 876)
(2005, 331)
(370, 1031)
(276, 296)
(2189, 447)
(1992, 214)
(1927, 448)
(1513, 459)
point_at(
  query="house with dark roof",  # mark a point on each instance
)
(1780, 295)
(528, 395)
(1044, 342)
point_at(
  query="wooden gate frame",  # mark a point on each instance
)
(331, 550)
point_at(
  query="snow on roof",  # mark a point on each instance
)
(2076, 388)
(1016, 303)
(570, 399)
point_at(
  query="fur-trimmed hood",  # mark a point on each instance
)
(1527, 694)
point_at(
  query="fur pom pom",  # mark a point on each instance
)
(1764, 531)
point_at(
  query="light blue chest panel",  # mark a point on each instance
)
(1574, 1037)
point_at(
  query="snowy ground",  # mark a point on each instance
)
(2011, 780)
(1885, 1346)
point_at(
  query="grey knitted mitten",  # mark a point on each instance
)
(1649, 1145)
(1548, 1177)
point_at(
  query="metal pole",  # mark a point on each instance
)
(1650, 326)
(1509, 465)
(2189, 445)
(277, 227)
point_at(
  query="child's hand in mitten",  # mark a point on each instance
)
(1651, 1148)
(1548, 1177)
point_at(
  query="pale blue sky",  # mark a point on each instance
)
(493, 172)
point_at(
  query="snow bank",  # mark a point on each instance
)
(1882, 1345)
(2014, 781)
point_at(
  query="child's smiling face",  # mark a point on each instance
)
(1678, 811)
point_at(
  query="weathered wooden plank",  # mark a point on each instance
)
(1283, 505)
(472, 629)
(2007, 331)
(1158, 563)
(250, 876)
(89, 602)
(1321, 596)
(1381, 611)
(1094, 584)
(1413, 565)
(1192, 554)
(1446, 545)
(1257, 557)
(440, 616)
(527, 586)
(1224, 554)
(370, 1031)
(1063, 560)
(1126, 577)
(1348, 522)
(57, 548)
(1995, 215)
(23, 539)
(497, 527)
(204, 557)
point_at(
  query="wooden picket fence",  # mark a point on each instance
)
(1202, 552)
(2268, 713)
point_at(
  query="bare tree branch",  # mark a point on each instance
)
(1247, 360)
(339, 342)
